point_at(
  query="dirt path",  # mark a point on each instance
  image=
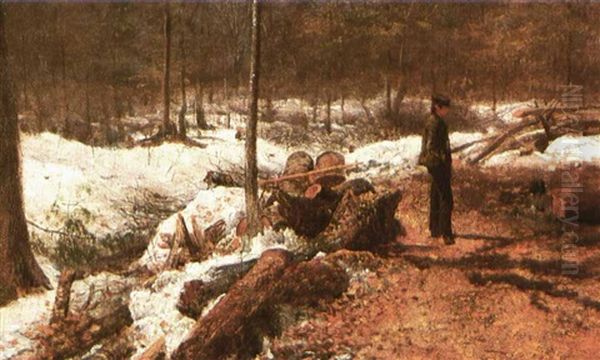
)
(499, 293)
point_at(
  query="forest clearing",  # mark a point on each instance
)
(155, 204)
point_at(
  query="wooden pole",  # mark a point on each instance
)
(251, 181)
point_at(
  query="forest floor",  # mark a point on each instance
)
(499, 292)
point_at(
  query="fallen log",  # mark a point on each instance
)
(309, 282)
(247, 312)
(219, 333)
(196, 294)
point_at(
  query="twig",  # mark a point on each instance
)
(51, 231)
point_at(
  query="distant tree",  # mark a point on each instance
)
(18, 268)
(183, 110)
(251, 181)
(168, 127)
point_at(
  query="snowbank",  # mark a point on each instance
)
(64, 179)
(208, 207)
(399, 157)
(564, 150)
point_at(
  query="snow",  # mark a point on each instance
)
(398, 157)
(504, 111)
(65, 178)
(563, 150)
(18, 317)
(208, 207)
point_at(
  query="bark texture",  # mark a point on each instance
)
(251, 177)
(19, 271)
(222, 329)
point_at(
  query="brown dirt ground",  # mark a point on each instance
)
(499, 293)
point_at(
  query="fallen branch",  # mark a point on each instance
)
(307, 174)
(497, 141)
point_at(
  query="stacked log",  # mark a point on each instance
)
(329, 159)
(297, 163)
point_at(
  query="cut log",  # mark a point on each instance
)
(235, 326)
(360, 222)
(219, 333)
(297, 163)
(329, 160)
(306, 216)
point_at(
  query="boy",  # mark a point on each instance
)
(436, 156)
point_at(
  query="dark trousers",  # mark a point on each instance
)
(441, 201)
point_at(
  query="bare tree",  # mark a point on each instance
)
(251, 182)
(168, 127)
(18, 268)
(182, 126)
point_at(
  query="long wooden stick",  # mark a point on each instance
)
(308, 173)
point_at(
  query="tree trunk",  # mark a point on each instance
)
(388, 96)
(182, 127)
(328, 115)
(251, 181)
(200, 119)
(221, 330)
(18, 268)
(88, 112)
(168, 127)
(63, 295)
(342, 103)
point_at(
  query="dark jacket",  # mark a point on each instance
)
(435, 145)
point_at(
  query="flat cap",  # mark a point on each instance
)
(440, 100)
